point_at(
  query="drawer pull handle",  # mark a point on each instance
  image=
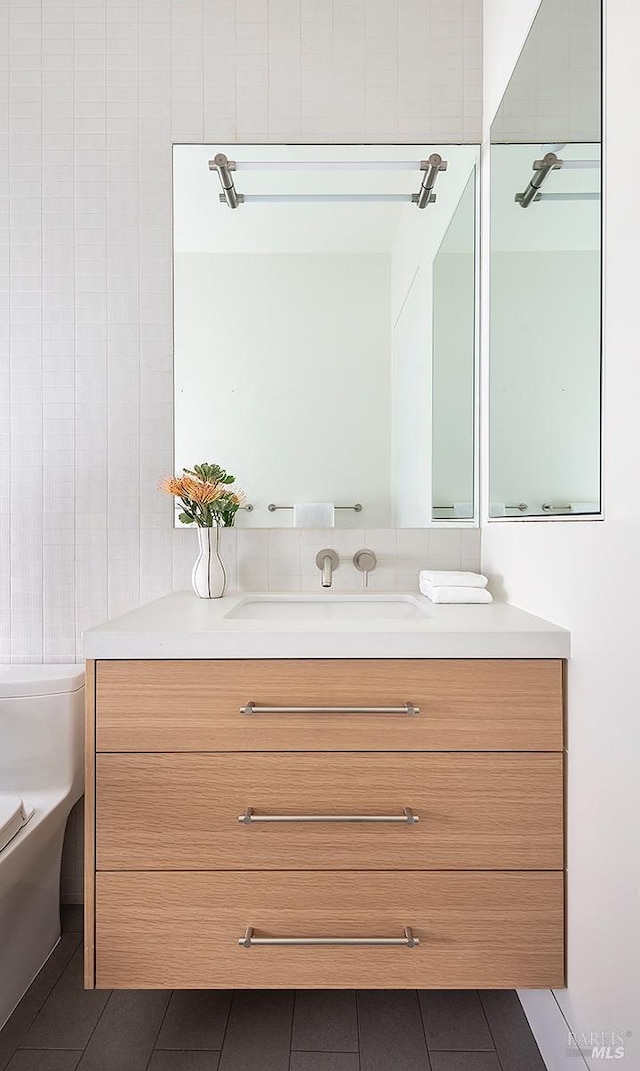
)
(408, 941)
(253, 708)
(407, 818)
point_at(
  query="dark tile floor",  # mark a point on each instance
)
(59, 1027)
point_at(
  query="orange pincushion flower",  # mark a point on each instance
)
(190, 489)
(203, 493)
(173, 485)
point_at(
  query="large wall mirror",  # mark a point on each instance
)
(325, 329)
(545, 333)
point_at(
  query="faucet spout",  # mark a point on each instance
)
(327, 571)
(327, 560)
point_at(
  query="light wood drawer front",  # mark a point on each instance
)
(475, 811)
(465, 705)
(181, 930)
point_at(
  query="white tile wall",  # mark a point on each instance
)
(92, 95)
(284, 559)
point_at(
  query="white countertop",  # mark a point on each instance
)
(181, 625)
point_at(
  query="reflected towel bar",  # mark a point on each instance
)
(272, 507)
(522, 506)
(230, 196)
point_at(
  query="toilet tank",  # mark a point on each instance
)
(41, 727)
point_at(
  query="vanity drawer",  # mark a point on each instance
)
(182, 930)
(473, 811)
(464, 705)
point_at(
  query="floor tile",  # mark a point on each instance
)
(195, 1019)
(259, 1031)
(324, 1061)
(391, 1032)
(173, 1060)
(454, 1020)
(325, 1020)
(22, 1018)
(44, 1060)
(512, 1035)
(125, 1036)
(69, 1016)
(465, 1061)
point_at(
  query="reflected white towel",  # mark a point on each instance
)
(463, 509)
(314, 515)
(453, 594)
(451, 578)
(497, 509)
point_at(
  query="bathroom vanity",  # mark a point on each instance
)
(340, 804)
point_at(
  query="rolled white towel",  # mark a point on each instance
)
(451, 578)
(456, 594)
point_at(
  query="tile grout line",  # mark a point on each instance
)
(358, 1033)
(424, 1029)
(293, 1019)
(484, 1012)
(226, 1026)
(153, 1047)
(98, 1021)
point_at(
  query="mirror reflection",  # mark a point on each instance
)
(545, 352)
(312, 354)
(454, 330)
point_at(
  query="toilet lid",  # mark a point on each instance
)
(14, 814)
(35, 679)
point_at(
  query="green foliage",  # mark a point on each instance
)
(209, 473)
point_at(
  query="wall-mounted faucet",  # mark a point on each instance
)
(327, 560)
(365, 561)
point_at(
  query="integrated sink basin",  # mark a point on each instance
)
(327, 607)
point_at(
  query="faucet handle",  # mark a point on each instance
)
(365, 561)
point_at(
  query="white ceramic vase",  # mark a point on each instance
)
(208, 577)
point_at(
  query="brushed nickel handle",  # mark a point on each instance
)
(407, 818)
(254, 708)
(408, 941)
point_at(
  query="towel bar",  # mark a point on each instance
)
(272, 507)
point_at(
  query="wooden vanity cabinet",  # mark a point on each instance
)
(332, 824)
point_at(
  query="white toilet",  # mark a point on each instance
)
(41, 777)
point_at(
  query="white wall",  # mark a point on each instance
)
(97, 92)
(283, 376)
(583, 575)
